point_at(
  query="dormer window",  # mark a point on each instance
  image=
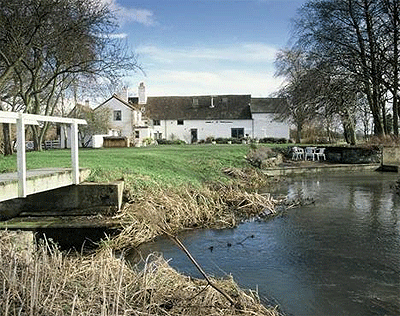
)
(225, 100)
(212, 104)
(195, 102)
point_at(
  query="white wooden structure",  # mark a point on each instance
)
(22, 119)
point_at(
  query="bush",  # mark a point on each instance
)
(209, 139)
(171, 142)
(273, 140)
(221, 140)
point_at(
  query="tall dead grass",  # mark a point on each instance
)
(48, 282)
(150, 214)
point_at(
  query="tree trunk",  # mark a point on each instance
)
(395, 69)
(7, 139)
(299, 128)
(349, 128)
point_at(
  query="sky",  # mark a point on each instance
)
(205, 47)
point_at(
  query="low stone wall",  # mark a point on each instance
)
(353, 155)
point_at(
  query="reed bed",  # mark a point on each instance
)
(154, 212)
(48, 282)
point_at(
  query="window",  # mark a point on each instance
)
(237, 132)
(225, 100)
(117, 115)
(156, 122)
(180, 122)
(195, 102)
(137, 134)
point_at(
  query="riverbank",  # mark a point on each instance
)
(169, 189)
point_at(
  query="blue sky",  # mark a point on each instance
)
(206, 47)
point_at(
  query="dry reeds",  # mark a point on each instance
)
(50, 283)
(151, 214)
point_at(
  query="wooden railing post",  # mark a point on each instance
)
(21, 156)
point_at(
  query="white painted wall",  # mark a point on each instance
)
(124, 127)
(170, 129)
(98, 140)
(265, 126)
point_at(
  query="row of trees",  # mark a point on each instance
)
(48, 48)
(344, 63)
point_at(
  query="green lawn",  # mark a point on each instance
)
(171, 164)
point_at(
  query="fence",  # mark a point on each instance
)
(22, 119)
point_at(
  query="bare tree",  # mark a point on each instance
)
(348, 34)
(72, 41)
(299, 89)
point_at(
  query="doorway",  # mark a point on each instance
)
(193, 135)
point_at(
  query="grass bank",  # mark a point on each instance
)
(166, 165)
(169, 189)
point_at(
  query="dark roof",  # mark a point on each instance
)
(225, 107)
(115, 96)
(268, 105)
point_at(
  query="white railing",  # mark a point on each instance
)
(22, 119)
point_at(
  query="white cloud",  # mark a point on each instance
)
(240, 68)
(173, 82)
(142, 16)
(244, 52)
(126, 15)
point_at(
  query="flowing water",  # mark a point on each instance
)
(337, 256)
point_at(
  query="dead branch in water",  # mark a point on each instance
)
(188, 254)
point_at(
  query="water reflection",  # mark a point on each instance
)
(337, 256)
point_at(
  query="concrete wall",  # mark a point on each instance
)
(84, 199)
(391, 156)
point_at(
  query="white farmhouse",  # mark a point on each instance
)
(126, 118)
(195, 118)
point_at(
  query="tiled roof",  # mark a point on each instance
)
(221, 107)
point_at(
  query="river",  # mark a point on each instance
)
(337, 256)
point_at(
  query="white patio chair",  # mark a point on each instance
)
(298, 153)
(310, 152)
(320, 153)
